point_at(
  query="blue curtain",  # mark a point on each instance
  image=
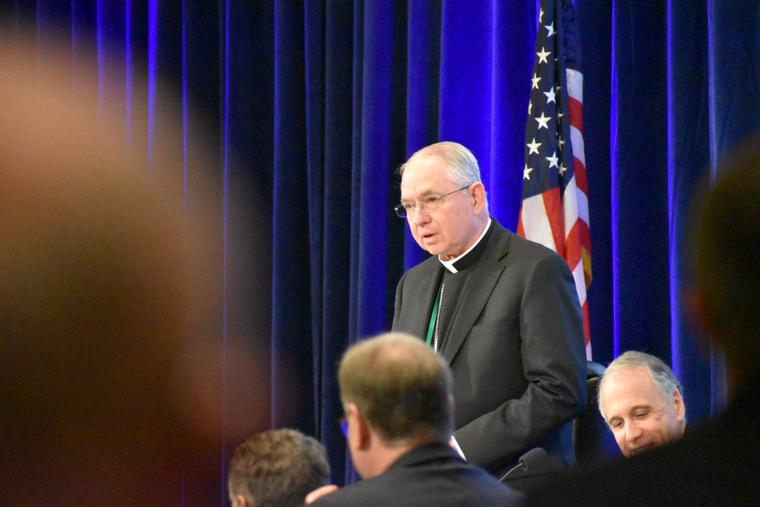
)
(314, 104)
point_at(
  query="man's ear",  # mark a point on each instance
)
(679, 404)
(361, 427)
(478, 194)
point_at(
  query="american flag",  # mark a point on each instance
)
(555, 188)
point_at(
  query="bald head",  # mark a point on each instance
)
(400, 385)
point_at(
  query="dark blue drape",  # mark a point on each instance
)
(315, 104)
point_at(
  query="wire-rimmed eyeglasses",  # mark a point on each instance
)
(429, 203)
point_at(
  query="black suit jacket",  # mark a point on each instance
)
(429, 475)
(515, 347)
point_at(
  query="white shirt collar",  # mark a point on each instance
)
(449, 265)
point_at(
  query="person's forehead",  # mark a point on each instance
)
(424, 175)
(630, 387)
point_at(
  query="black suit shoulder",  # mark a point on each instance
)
(427, 266)
(426, 476)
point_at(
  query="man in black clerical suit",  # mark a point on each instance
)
(503, 312)
(396, 393)
(716, 463)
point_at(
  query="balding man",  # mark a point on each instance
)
(396, 393)
(716, 463)
(641, 401)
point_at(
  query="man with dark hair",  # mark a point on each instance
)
(396, 393)
(277, 467)
(715, 464)
(641, 401)
(501, 310)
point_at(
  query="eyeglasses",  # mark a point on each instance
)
(430, 203)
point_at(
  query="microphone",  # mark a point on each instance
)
(530, 461)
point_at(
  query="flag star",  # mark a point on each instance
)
(530, 107)
(550, 96)
(562, 169)
(553, 160)
(561, 142)
(557, 88)
(543, 55)
(543, 121)
(559, 114)
(535, 81)
(550, 29)
(526, 172)
(533, 147)
(540, 15)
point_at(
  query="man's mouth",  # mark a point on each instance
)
(641, 449)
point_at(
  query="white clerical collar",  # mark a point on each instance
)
(449, 265)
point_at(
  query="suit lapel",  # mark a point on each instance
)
(424, 292)
(477, 291)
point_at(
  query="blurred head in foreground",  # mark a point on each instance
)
(641, 401)
(277, 467)
(728, 249)
(102, 283)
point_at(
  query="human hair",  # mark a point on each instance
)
(104, 285)
(277, 467)
(400, 385)
(727, 249)
(660, 372)
(462, 165)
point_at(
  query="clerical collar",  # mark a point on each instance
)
(471, 255)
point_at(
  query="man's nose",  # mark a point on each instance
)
(632, 432)
(420, 216)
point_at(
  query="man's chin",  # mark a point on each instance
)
(431, 249)
(639, 450)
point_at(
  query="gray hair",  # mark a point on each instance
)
(462, 165)
(660, 372)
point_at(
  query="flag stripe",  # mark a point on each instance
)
(553, 205)
(575, 249)
(580, 283)
(577, 208)
(570, 207)
(576, 138)
(586, 329)
(575, 84)
(535, 223)
(581, 181)
(576, 113)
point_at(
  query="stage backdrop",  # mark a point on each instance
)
(314, 104)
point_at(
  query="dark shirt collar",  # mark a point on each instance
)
(433, 451)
